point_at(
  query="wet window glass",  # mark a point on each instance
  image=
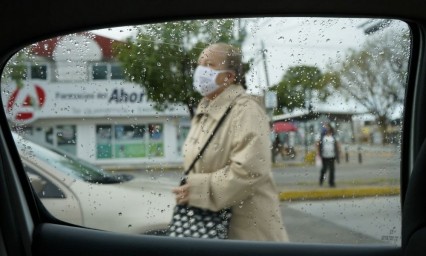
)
(106, 121)
(117, 72)
(39, 72)
(100, 72)
(46, 189)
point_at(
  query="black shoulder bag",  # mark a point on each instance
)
(195, 222)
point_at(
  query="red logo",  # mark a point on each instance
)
(24, 101)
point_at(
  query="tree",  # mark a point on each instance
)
(163, 56)
(375, 76)
(297, 85)
(16, 68)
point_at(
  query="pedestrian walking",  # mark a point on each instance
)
(234, 171)
(328, 148)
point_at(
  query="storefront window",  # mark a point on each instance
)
(129, 141)
(66, 138)
(103, 141)
(155, 145)
(49, 136)
(181, 136)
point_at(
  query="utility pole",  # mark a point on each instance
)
(269, 98)
(265, 66)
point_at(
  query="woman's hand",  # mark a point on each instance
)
(182, 194)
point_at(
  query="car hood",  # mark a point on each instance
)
(131, 207)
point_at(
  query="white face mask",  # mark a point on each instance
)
(205, 80)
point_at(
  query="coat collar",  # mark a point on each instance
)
(217, 107)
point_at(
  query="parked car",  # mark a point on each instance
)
(26, 228)
(77, 192)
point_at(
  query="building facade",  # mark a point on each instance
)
(75, 98)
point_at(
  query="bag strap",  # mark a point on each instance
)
(209, 139)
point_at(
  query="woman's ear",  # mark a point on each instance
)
(228, 78)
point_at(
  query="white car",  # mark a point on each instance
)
(80, 193)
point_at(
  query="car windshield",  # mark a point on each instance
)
(65, 163)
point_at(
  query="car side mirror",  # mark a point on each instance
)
(37, 183)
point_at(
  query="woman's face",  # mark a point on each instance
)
(214, 57)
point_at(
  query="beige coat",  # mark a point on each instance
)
(235, 169)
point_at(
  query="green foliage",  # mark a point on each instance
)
(16, 68)
(298, 84)
(163, 56)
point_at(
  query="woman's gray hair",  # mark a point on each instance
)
(233, 61)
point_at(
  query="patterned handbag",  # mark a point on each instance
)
(189, 221)
(195, 222)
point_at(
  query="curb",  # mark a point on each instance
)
(338, 193)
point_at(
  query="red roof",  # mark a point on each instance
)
(45, 48)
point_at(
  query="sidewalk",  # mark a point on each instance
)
(343, 190)
(355, 154)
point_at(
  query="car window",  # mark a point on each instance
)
(66, 163)
(109, 113)
(48, 189)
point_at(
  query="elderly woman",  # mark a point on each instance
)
(235, 169)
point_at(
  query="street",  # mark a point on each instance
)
(351, 221)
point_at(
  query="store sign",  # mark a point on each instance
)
(64, 100)
(24, 102)
(119, 96)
